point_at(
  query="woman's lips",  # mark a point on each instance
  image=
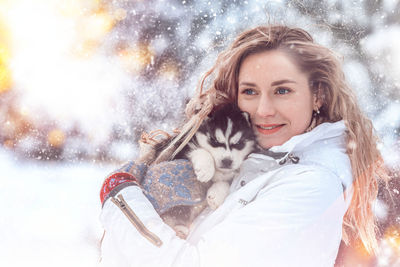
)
(268, 128)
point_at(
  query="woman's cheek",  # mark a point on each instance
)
(247, 106)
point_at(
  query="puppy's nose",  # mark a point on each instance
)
(226, 162)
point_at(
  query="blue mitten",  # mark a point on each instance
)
(176, 194)
(173, 183)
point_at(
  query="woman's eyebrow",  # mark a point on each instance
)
(282, 82)
(247, 84)
(275, 83)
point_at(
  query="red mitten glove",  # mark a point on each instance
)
(129, 174)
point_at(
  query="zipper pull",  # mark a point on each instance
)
(294, 159)
(134, 219)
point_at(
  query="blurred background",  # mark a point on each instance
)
(80, 80)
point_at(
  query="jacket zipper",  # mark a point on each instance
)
(134, 219)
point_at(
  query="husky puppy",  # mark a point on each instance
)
(224, 139)
(218, 149)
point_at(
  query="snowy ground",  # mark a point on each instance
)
(49, 213)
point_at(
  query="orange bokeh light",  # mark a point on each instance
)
(5, 73)
(169, 71)
(8, 144)
(392, 236)
(136, 58)
(56, 138)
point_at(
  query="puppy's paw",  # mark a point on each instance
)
(203, 174)
(203, 164)
(216, 194)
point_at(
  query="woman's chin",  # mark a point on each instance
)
(267, 143)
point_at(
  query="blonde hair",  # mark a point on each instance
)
(327, 81)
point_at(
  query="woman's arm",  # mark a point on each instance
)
(124, 245)
(128, 211)
(294, 221)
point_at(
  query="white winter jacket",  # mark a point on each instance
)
(278, 213)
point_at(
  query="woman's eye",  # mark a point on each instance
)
(248, 92)
(282, 91)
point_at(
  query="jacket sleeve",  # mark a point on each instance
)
(293, 221)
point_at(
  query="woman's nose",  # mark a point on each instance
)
(265, 107)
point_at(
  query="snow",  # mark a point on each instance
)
(50, 210)
(49, 213)
(384, 45)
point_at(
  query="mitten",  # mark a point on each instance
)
(176, 194)
(173, 183)
(131, 173)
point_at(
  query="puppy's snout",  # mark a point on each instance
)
(226, 163)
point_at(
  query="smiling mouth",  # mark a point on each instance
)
(269, 128)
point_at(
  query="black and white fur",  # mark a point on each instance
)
(218, 148)
(224, 139)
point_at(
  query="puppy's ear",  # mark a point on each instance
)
(206, 119)
(211, 115)
(247, 117)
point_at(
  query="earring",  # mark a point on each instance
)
(313, 122)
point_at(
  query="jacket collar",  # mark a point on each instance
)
(299, 143)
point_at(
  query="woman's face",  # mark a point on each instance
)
(277, 96)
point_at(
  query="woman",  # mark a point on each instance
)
(291, 204)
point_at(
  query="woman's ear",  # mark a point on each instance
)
(317, 103)
(317, 97)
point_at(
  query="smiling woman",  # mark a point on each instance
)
(277, 96)
(310, 184)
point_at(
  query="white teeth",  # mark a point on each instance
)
(268, 128)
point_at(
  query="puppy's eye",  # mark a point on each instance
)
(239, 145)
(213, 142)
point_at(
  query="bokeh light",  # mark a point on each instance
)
(56, 67)
(134, 59)
(56, 138)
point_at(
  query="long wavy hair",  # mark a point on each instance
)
(327, 82)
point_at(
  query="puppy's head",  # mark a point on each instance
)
(228, 136)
